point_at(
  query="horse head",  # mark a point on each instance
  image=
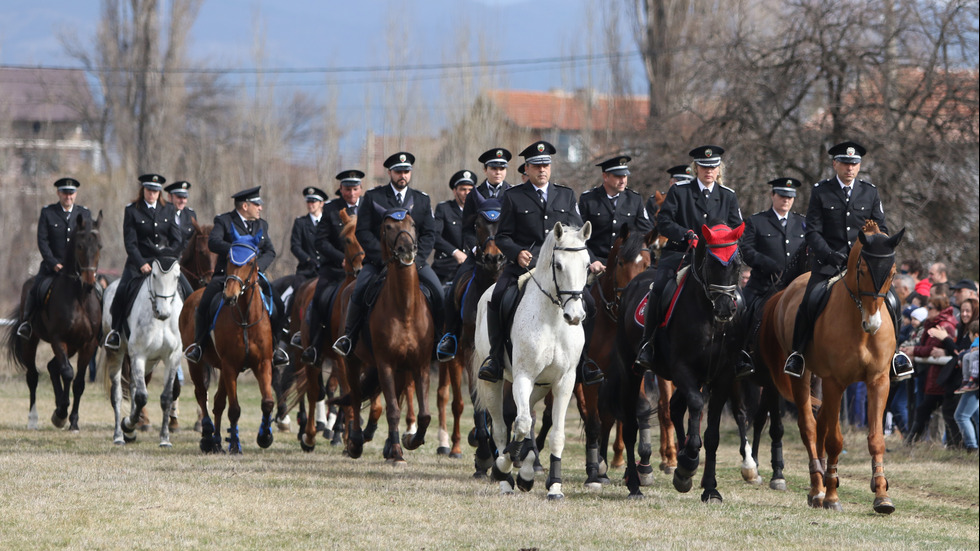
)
(242, 271)
(164, 280)
(717, 265)
(398, 234)
(198, 260)
(565, 255)
(870, 268)
(629, 255)
(488, 255)
(353, 252)
(87, 249)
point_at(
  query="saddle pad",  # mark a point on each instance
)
(640, 314)
(266, 301)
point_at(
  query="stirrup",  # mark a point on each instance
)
(901, 367)
(342, 346)
(795, 364)
(297, 340)
(24, 330)
(280, 358)
(193, 352)
(490, 371)
(744, 366)
(644, 358)
(110, 343)
(309, 355)
(590, 373)
(446, 350)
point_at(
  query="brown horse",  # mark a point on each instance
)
(400, 341)
(70, 319)
(242, 339)
(853, 340)
(466, 292)
(197, 261)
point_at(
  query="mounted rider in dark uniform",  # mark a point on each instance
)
(149, 232)
(54, 228)
(450, 252)
(303, 237)
(245, 219)
(679, 173)
(688, 206)
(396, 194)
(609, 206)
(493, 186)
(329, 243)
(528, 212)
(184, 218)
(838, 209)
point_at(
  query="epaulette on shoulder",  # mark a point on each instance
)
(559, 185)
(422, 192)
(868, 183)
(590, 190)
(628, 190)
(728, 188)
(683, 183)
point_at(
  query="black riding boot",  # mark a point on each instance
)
(795, 363)
(345, 344)
(113, 340)
(195, 351)
(901, 364)
(743, 365)
(24, 330)
(644, 358)
(492, 369)
(316, 334)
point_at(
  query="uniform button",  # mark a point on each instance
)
(546, 217)
(614, 234)
(848, 213)
(787, 242)
(704, 215)
(614, 221)
(154, 224)
(848, 229)
(787, 254)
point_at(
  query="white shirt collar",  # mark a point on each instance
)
(842, 185)
(704, 187)
(403, 192)
(778, 217)
(150, 206)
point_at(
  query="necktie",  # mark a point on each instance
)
(706, 194)
(248, 226)
(493, 192)
(352, 210)
(541, 197)
(847, 193)
(783, 222)
(614, 201)
(398, 199)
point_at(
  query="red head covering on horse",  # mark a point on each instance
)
(722, 241)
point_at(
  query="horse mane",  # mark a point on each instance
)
(870, 227)
(633, 245)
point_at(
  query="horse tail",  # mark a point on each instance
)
(295, 382)
(13, 343)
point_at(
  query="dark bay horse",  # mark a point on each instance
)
(696, 350)
(853, 340)
(400, 342)
(197, 261)
(70, 319)
(242, 339)
(466, 293)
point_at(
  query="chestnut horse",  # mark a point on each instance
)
(853, 340)
(466, 293)
(241, 339)
(197, 261)
(69, 319)
(400, 340)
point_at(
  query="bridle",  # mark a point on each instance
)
(713, 291)
(391, 243)
(877, 285)
(154, 296)
(79, 269)
(202, 276)
(572, 295)
(611, 307)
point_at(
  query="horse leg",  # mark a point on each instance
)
(877, 401)
(201, 380)
(229, 381)
(393, 447)
(630, 394)
(808, 433)
(27, 357)
(645, 447)
(456, 378)
(828, 432)
(773, 403)
(740, 403)
(220, 401)
(442, 399)
(114, 374)
(588, 405)
(411, 420)
(137, 392)
(709, 481)
(562, 392)
(374, 415)
(522, 388)
(424, 416)
(61, 375)
(307, 438)
(668, 441)
(689, 457)
(355, 436)
(84, 358)
(264, 376)
(167, 396)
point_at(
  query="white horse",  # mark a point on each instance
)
(547, 337)
(154, 336)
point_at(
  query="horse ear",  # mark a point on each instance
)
(624, 231)
(195, 225)
(737, 232)
(408, 206)
(379, 209)
(894, 240)
(344, 217)
(863, 238)
(558, 230)
(234, 233)
(586, 231)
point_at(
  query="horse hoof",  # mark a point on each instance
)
(197, 426)
(538, 469)
(409, 441)
(636, 496)
(667, 469)
(455, 455)
(166, 444)
(751, 476)
(757, 481)
(711, 497)
(129, 437)
(442, 450)
(471, 438)
(507, 485)
(525, 485)
(306, 447)
(682, 484)
(884, 505)
(832, 506)
(778, 484)
(264, 440)
(397, 462)
(815, 501)
(369, 431)
(58, 421)
(554, 493)
(119, 441)
(480, 475)
(593, 486)
(327, 434)
(645, 473)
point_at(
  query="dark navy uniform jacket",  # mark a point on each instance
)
(301, 244)
(147, 233)
(686, 208)
(449, 237)
(184, 224)
(369, 221)
(833, 222)
(54, 229)
(596, 207)
(329, 240)
(524, 223)
(470, 211)
(222, 237)
(767, 246)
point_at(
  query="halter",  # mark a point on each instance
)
(79, 269)
(856, 297)
(389, 243)
(572, 295)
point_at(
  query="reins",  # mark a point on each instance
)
(572, 295)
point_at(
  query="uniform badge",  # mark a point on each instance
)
(500, 153)
(707, 152)
(622, 161)
(402, 158)
(789, 183)
(540, 148)
(850, 151)
(467, 175)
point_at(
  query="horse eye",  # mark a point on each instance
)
(559, 267)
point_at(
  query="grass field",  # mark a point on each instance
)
(78, 491)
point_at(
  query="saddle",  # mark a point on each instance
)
(819, 296)
(218, 301)
(373, 290)
(668, 298)
(509, 300)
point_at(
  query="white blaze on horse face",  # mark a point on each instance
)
(871, 323)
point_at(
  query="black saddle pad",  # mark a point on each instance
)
(817, 301)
